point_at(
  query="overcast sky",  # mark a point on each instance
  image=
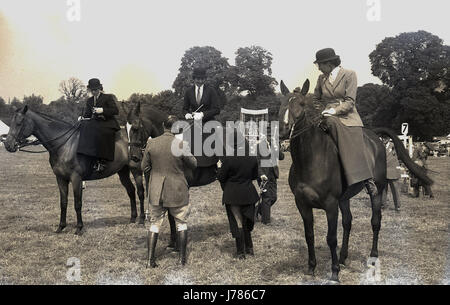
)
(137, 46)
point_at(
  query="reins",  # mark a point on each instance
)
(315, 122)
(72, 129)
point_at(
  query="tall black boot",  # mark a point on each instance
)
(182, 240)
(248, 242)
(173, 244)
(152, 239)
(240, 245)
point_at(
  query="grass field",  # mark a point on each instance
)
(413, 246)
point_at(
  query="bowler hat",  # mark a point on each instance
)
(324, 55)
(199, 73)
(94, 83)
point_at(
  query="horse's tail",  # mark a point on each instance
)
(403, 155)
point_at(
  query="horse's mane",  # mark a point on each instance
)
(312, 110)
(53, 121)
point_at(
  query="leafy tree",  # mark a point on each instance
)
(218, 70)
(253, 72)
(73, 90)
(34, 102)
(415, 66)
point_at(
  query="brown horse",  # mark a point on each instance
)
(61, 141)
(316, 177)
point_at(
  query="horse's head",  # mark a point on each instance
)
(22, 127)
(292, 106)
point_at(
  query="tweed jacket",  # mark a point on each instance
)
(209, 100)
(341, 95)
(167, 185)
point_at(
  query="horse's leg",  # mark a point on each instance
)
(63, 186)
(77, 185)
(344, 205)
(332, 219)
(308, 223)
(137, 174)
(124, 175)
(376, 222)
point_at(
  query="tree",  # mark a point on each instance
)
(218, 70)
(415, 66)
(253, 71)
(377, 106)
(34, 102)
(73, 89)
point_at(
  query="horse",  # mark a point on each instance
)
(60, 139)
(316, 177)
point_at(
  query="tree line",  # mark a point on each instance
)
(413, 67)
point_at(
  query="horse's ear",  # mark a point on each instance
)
(124, 106)
(283, 88)
(137, 110)
(305, 87)
(25, 109)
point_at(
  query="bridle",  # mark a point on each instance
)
(20, 142)
(314, 122)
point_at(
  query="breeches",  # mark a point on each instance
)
(157, 214)
(352, 150)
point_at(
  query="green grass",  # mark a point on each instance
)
(413, 245)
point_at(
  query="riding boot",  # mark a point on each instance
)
(248, 242)
(183, 238)
(152, 239)
(240, 244)
(371, 187)
(173, 244)
(265, 212)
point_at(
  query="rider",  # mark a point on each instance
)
(98, 126)
(200, 101)
(336, 89)
(202, 105)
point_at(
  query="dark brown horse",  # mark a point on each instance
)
(316, 177)
(61, 141)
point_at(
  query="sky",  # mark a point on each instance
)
(136, 46)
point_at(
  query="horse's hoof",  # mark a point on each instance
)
(79, 231)
(133, 220)
(342, 261)
(334, 278)
(311, 272)
(141, 220)
(60, 229)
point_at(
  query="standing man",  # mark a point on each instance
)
(392, 173)
(200, 96)
(97, 133)
(168, 189)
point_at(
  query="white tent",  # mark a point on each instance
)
(4, 129)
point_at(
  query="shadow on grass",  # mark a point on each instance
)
(107, 222)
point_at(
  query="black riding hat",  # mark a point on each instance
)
(94, 83)
(324, 55)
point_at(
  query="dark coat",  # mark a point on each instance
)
(97, 135)
(236, 175)
(209, 100)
